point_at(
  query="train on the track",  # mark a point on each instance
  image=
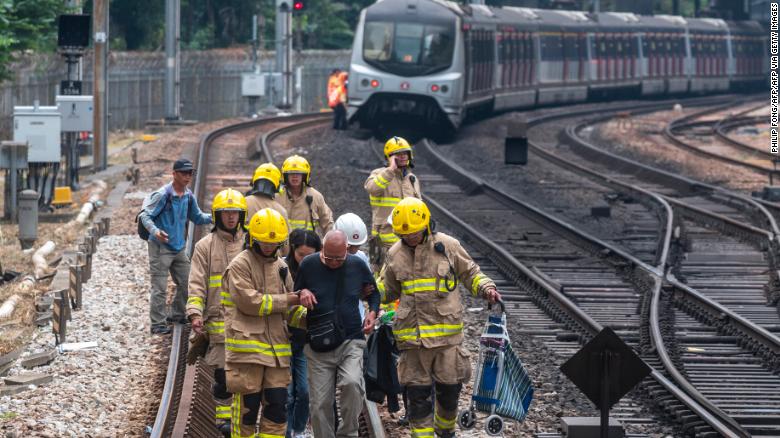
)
(437, 62)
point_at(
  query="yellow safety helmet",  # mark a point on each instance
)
(297, 164)
(410, 216)
(228, 200)
(268, 171)
(267, 226)
(396, 145)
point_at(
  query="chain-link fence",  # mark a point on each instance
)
(210, 84)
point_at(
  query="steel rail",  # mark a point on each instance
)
(172, 416)
(677, 124)
(741, 119)
(263, 146)
(526, 277)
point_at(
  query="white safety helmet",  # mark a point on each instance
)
(353, 227)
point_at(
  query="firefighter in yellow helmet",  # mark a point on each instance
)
(257, 344)
(306, 207)
(265, 185)
(204, 303)
(386, 186)
(424, 270)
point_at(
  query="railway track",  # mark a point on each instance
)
(695, 348)
(707, 138)
(186, 406)
(566, 285)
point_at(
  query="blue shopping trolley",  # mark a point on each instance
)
(502, 387)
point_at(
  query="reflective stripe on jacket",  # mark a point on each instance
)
(430, 313)
(256, 325)
(209, 260)
(300, 214)
(385, 189)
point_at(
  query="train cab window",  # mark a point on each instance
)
(408, 49)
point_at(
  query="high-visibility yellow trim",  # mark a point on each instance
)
(226, 300)
(425, 432)
(303, 224)
(442, 423)
(428, 331)
(383, 201)
(196, 302)
(223, 412)
(380, 181)
(418, 285)
(215, 281)
(476, 282)
(235, 417)
(298, 315)
(215, 327)
(266, 305)
(268, 435)
(250, 346)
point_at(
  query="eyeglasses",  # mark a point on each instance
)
(186, 172)
(333, 259)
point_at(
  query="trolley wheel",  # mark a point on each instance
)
(467, 419)
(494, 425)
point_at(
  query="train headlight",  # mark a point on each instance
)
(445, 88)
(434, 88)
(364, 83)
(374, 83)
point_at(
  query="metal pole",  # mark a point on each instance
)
(100, 81)
(605, 358)
(284, 52)
(596, 6)
(172, 9)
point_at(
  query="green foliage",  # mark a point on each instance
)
(208, 24)
(27, 25)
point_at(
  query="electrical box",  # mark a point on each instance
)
(39, 126)
(252, 85)
(76, 112)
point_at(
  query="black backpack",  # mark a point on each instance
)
(143, 233)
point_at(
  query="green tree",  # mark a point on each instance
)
(27, 25)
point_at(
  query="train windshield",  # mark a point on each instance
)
(408, 49)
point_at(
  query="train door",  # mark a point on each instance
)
(581, 57)
(641, 64)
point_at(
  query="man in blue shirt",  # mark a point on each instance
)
(165, 214)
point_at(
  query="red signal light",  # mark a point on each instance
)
(298, 6)
(434, 88)
(374, 83)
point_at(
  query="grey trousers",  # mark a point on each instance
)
(163, 260)
(346, 363)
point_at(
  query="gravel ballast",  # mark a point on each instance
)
(105, 391)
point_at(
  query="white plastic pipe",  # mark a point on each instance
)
(86, 211)
(39, 259)
(27, 283)
(100, 186)
(7, 309)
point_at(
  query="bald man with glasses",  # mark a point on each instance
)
(331, 283)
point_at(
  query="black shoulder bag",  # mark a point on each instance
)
(325, 331)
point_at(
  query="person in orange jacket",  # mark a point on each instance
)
(337, 98)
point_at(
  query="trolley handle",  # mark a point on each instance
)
(500, 303)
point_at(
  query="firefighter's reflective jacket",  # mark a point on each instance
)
(209, 260)
(315, 216)
(385, 189)
(256, 310)
(430, 313)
